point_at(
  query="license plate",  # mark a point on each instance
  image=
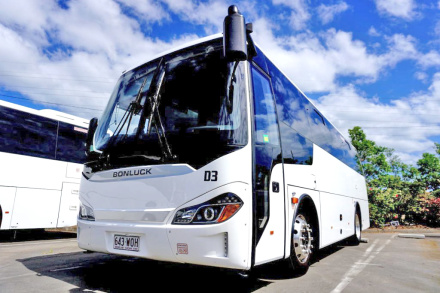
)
(123, 242)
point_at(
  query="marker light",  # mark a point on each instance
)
(216, 210)
(86, 213)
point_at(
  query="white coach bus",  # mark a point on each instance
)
(209, 155)
(41, 157)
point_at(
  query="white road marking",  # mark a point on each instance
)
(66, 269)
(358, 266)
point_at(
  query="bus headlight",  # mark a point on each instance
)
(86, 213)
(216, 210)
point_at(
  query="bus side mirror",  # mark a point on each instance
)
(93, 124)
(234, 36)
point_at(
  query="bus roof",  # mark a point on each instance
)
(48, 113)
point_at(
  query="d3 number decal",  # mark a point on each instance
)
(211, 175)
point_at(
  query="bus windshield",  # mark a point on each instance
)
(188, 107)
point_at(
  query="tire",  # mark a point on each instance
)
(357, 236)
(302, 238)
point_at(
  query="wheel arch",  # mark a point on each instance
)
(305, 201)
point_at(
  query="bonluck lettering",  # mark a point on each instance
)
(138, 172)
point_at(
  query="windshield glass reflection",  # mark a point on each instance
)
(189, 107)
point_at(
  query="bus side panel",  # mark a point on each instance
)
(31, 172)
(7, 198)
(35, 208)
(73, 170)
(340, 188)
(337, 213)
(69, 205)
(335, 177)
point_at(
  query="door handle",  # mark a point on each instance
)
(275, 187)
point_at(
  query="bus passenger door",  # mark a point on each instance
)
(269, 210)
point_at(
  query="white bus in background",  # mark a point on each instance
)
(209, 155)
(41, 157)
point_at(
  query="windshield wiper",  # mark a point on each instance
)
(133, 109)
(154, 102)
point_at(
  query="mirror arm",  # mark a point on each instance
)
(252, 50)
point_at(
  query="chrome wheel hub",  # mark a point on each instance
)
(302, 239)
(357, 227)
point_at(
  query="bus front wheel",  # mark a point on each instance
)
(302, 239)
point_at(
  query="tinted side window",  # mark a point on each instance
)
(71, 143)
(339, 147)
(292, 110)
(266, 127)
(27, 134)
(318, 132)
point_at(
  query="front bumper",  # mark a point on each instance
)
(221, 245)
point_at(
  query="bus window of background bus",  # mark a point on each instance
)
(27, 134)
(70, 143)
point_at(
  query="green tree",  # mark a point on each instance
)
(429, 168)
(371, 158)
(396, 191)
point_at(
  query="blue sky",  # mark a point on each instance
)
(370, 63)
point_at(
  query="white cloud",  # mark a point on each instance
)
(95, 42)
(422, 76)
(430, 59)
(404, 125)
(299, 14)
(373, 32)
(315, 62)
(328, 12)
(210, 13)
(404, 9)
(147, 10)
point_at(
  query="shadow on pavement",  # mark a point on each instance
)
(282, 270)
(32, 235)
(111, 273)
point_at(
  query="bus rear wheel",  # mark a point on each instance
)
(356, 238)
(302, 238)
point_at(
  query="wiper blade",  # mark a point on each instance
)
(133, 109)
(154, 113)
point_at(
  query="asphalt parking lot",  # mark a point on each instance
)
(52, 262)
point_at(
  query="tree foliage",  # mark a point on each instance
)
(397, 191)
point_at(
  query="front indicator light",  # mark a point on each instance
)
(228, 212)
(216, 210)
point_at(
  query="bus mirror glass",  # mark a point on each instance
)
(234, 36)
(90, 133)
